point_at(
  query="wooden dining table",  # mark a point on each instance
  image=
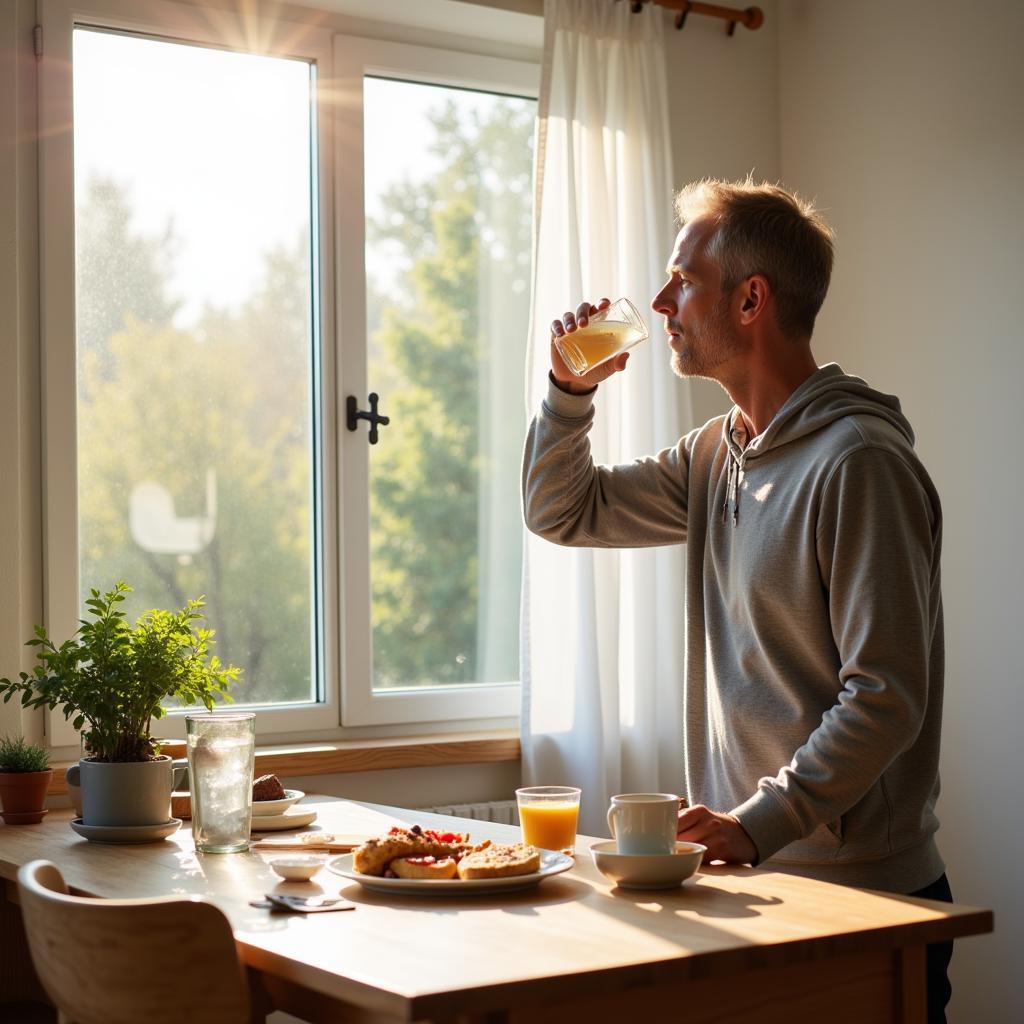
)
(731, 944)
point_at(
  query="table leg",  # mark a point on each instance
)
(910, 991)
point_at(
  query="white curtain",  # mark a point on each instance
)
(603, 631)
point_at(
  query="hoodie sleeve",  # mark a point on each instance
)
(878, 550)
(569, 500)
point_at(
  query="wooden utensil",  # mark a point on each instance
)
(330, 841)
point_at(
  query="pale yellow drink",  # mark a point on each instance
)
(609, 332)
(590, 346)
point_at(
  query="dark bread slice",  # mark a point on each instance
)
(268, 787)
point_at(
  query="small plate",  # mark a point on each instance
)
(260, 808)
(294, 817)
(126, 833)
(648, 870)
(551, 863)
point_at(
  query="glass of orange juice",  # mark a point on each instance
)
(548, 815)
(608, 332)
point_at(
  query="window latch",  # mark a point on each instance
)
(355, 414)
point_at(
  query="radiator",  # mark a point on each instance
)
(503, 811)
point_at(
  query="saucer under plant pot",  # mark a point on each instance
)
(25, 775)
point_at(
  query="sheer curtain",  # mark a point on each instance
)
(602, 631)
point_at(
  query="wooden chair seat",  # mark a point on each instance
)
(159, 961)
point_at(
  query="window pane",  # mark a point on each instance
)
(448, 207)
(193, 186)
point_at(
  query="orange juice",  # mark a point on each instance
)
(592, 345)
(549, 825)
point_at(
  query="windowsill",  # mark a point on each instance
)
(368, 755)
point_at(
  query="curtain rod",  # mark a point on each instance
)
(752, 17)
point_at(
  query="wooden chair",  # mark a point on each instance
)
(162, 961)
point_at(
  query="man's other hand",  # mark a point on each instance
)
(722, 834)
(564, 377)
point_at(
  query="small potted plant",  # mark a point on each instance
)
(25, 775)
(112, 678)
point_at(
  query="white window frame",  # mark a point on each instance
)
(345, 659)
(354, 59)
(187, 24)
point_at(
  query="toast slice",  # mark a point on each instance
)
(500, 861)
(423, 867)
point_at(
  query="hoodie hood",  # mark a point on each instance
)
(826, 396)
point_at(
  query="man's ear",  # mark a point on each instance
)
(754, 295)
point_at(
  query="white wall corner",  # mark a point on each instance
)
(20, 519)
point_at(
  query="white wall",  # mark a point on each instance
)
(723, 105)
(907, 122)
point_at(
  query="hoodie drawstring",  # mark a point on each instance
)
(732, 486)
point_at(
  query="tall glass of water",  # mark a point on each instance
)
(221, 749)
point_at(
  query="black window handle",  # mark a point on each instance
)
(355, 414)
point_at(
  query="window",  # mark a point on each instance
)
(197, 390)
(442, 297)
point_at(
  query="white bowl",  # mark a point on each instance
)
(648, 870)
(297, 869)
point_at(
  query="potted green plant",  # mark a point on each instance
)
(25, 775)
(112, 679)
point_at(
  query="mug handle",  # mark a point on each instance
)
(178, 776)
(71, 775)
(611, 820)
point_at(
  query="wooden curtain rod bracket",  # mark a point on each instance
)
(752, 17)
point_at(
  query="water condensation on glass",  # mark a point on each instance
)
(448, 217)
(193, 179)
(220, 752)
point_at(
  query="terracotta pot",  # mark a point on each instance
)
(174, 749)
(23, 796)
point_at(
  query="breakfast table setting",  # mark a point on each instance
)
(576, 937)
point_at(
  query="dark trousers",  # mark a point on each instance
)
(937, 955)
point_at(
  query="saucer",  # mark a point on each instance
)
(648, 870)
(23, 817)
(126, 833)
(294, 817)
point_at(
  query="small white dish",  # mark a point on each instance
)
(261, 808)
(126, 833)
(648, 870)
(294, 817)
(300, 868)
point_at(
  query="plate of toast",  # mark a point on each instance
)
(427, 862)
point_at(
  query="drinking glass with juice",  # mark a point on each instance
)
(548, 816)
(608, 332)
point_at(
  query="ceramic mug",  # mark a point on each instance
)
(644, 822)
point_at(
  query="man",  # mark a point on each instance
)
(814, 644)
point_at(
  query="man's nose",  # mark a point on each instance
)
(661, 303)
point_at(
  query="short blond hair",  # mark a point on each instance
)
(763, 229)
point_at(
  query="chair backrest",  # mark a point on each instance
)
(160, 961)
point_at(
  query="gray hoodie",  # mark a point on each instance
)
(814, 648)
